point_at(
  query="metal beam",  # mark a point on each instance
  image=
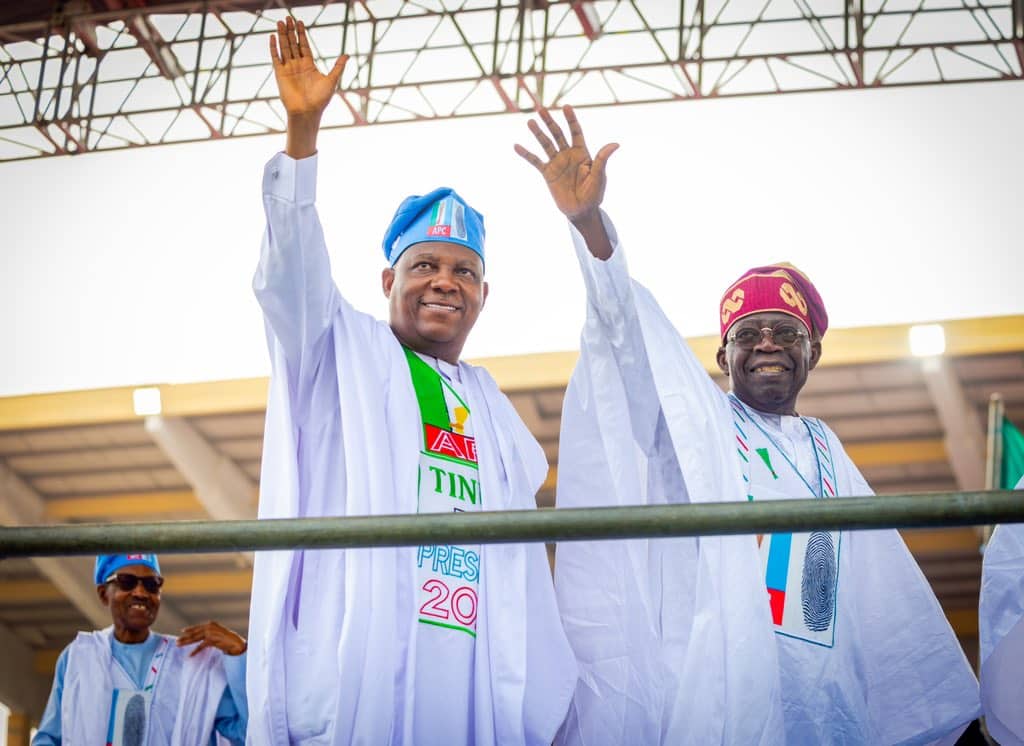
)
(97, 406)
(892, 452)
(941, 541)
(205, 583)
(223, 489)
(20, 505)
(517, 526)
(22, 688)
(122, 506)
(159, 51)
(588, 17)
(964, 436)
(513, 373)
(66, 88)
(221, 486)
(994, 442)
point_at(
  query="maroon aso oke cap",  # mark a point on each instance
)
(774, 287)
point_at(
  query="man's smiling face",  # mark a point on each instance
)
(133, 612)
(435, 292)
(769, 377)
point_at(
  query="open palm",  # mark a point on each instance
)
(576, 181)
(302, 87)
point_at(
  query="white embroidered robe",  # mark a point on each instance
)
(331, 658)
(186, 693)
(674, 637)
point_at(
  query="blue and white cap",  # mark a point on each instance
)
(108, 564)
(441, 215)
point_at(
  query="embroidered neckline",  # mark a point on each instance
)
(818, 441)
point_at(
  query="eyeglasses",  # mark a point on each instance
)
(127, 581)
(784, 336)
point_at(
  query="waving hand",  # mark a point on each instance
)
(576, 181)
(304, 90)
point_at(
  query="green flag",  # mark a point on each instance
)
(1013, 456)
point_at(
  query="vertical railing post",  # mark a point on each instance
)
(993, 453)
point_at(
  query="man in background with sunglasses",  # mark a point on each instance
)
(823, 637)
(129, 685)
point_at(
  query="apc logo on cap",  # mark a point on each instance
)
(448, 220)
(732, 304)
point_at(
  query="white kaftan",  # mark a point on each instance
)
(332, 656)
(675, 638)
(1001, 632)
(180, 695)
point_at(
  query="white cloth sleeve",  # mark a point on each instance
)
(612, 315)
(293, 281)
(1001, 628)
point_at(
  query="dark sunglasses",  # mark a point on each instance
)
(126, 581)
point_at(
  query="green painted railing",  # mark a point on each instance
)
(857, 513)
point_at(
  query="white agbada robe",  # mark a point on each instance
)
(186, 692)
(1001, 633)
(674, 637)
(331, 648)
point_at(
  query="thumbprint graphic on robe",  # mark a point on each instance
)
(134, 721)
(818, 587)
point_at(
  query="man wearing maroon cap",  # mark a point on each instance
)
(768, 356)
(823, 637)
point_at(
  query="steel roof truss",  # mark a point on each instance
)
(74, 86)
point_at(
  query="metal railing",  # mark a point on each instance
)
(578, 524)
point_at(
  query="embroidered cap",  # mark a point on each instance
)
(441, 215)
(108, 564)
(776, 287)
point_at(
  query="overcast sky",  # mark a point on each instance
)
(902, 204)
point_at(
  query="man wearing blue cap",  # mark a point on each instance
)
(411, 645)
(125, 685)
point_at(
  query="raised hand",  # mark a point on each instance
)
(304, 90)
(212, 635)
(576, 181)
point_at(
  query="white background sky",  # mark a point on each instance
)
(902, 204)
